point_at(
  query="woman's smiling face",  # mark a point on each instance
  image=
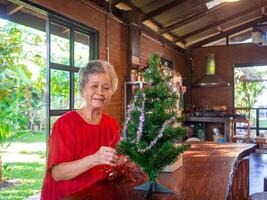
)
(98, 90)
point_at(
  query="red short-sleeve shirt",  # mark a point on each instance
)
(71, 139)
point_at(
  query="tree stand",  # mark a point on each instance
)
(152, 187)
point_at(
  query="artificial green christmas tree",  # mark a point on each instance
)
(149, 133)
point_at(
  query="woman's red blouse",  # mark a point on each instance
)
(71, 139)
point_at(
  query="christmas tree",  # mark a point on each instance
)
(149, 132)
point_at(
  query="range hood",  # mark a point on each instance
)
(210, 79)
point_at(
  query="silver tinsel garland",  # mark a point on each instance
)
(139, 132)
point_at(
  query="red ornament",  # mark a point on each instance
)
(117, 171)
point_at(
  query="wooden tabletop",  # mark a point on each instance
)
(207, 174)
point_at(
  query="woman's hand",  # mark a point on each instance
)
(106, 156)
(136, 172)
(72, 169)
(123, 160)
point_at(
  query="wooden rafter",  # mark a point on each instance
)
(204, 5)
(162, 9)
(230, 32)
(103, 5)
(114, 2)
(158, 37)
(191, 18)
(132, 6)
(141, 13)
(217, 23)
(13, 8)
(36, 14)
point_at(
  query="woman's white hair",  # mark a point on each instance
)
(95, 67)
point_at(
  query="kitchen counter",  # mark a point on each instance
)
(227, 121)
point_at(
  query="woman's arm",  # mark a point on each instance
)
(72, 169)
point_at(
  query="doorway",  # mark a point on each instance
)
(250, 97)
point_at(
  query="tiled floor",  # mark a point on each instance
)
(258, 170)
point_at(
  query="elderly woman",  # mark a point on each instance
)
(82, 142)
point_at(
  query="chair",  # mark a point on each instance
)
(238, 137)
(261, 141)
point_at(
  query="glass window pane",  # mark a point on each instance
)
(53, 119)
(243, 132)
(241, 37)
(78, 100)
(216, 43)
(59, 89)
(81, 49)
(263, 118)
(251, 86)
(249, 114)
(60, 44)
(263, 133)
(213, 3)
(253, 133)
(252, 117)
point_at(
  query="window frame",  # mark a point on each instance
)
(71, 69)
(257, 128)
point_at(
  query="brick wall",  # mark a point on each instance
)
(226, 57)
(149, 46)
(91, 17)
(95, 18)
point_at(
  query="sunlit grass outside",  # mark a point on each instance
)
(26, 158)
(263, 123)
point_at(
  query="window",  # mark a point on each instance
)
(219, 42)
(65, 47)
(241, 37)
(213, 3)
(70, 47)
(250, 96)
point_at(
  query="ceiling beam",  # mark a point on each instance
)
(154, 35)
(133, 7)
(162, 9)
(192, 18)
(204, 5)
(141, 13)
(114, 2)
(13, 8)
(217, 23)
(230, 32)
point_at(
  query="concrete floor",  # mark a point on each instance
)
(258, 170)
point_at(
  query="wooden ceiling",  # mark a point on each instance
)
(189, 23)
(183, 23)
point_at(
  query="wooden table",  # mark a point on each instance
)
(210, 171)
